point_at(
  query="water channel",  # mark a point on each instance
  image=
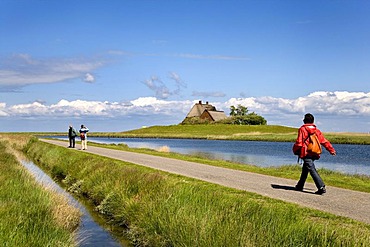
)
(351, 159)
(90, 233)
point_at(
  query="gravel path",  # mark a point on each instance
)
(348, 203)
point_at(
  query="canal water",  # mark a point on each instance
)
(351, 159)
(90, 233)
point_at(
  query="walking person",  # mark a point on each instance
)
(83, 135)
(72, 133)
(300, 148)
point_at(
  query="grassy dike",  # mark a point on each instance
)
(162, 209)
(31, 215)
(233, 132)
(356, 182)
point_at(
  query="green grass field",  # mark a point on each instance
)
(291, 171)
(31, 215)
(226, 132)
(161, 209)
(233, 132)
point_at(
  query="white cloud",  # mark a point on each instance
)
(152, 105)
(2, 110)
(77, 108)
(162, 90)
(33, 109)
(89, 78)
(148, 101)
(326, 103)
(329, 103)
(338, 109)
(21, 70)
(333, 107)
(155, 84)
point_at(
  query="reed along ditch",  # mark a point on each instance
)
(93, 231)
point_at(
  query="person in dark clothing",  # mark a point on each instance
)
(72, 133)
(300, 149)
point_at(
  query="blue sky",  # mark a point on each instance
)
(120, 65)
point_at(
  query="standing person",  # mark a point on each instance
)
(72, 133)
(300, 149)
(83, 136)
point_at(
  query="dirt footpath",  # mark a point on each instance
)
(351, 204)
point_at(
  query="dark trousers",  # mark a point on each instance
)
(72, 142)
(309, 167)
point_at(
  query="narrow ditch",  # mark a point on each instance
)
(90, 233)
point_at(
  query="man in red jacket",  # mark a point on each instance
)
(300, 148)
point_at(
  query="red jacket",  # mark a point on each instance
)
(300, 146)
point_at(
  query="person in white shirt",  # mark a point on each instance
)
(83, 135)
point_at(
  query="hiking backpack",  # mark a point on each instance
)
(314, 145)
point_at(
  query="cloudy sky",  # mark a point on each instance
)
(120, 65)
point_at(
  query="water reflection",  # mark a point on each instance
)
(90, 234)
(244, 159)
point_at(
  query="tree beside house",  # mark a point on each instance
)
(239, 115)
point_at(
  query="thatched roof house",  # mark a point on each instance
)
(213, 116)
(206, 112)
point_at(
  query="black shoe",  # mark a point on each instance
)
(321, 191)
(298, 188)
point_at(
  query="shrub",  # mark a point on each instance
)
(194, 120)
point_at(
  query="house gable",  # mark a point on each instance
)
(217, 115)
(199, 108)
(206, 111)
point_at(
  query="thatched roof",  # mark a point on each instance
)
(199, 108)
(206, 111)
(217, 115)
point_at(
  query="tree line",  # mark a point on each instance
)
(240, 115)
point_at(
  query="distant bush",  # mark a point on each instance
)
(250, 119)
(239, 115)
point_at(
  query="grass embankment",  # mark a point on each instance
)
(31, 215)
(211, 131)
(162, 209)
(233, 132)
(332, 178)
